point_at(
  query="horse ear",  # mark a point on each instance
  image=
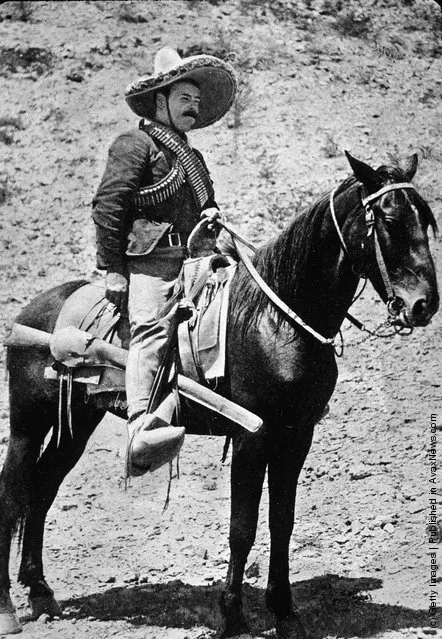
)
(363, 172)
(411, 166)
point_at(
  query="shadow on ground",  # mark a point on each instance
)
(329, 605)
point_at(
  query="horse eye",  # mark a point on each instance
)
(391, 222)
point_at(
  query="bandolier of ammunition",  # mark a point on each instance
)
(186, 166)
(161, 191)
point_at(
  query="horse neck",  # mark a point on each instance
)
(311, 273)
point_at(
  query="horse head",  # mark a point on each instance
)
(390, 244)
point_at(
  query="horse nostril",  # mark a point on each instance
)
(420, 309)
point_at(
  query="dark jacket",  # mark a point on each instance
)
(135, 160)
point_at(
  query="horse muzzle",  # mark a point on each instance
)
(417, 311)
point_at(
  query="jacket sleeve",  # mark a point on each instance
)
(126, 164)
(211, 203)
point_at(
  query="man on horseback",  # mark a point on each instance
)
(154, 191)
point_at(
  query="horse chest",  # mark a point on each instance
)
(279, 367)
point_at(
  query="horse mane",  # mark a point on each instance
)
(425, 209)
(281, 261)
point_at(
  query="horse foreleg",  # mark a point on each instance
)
(284, 468)
(9, 623)
(53, 466)
(14, 480)
(247, 475)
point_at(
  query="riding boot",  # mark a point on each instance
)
(152, 440)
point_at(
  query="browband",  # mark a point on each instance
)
(385, 189)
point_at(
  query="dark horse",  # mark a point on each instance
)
(276, 368)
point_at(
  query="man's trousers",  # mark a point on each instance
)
(152, 279)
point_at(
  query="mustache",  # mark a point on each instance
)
(190, 113)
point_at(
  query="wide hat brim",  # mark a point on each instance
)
(215, 79)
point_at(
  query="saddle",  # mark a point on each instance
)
(201, 339)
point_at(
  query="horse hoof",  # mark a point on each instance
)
(44, 606)
(9, 623)
(291, 627)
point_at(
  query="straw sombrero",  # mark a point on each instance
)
(215, 78)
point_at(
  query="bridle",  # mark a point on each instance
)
(370, 220)
(393, 306)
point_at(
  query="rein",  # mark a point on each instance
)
(371, 230)
(277, 301)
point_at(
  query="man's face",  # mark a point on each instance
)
(184, 105)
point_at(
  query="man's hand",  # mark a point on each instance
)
(117, 289)
(211, 215)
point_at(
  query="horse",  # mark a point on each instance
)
(281, 367)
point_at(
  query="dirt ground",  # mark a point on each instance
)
(317, 77)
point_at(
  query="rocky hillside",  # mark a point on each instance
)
(316, 77)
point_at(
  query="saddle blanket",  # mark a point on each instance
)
(202, 339)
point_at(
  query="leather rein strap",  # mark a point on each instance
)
(371, 229)
(277, 301)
